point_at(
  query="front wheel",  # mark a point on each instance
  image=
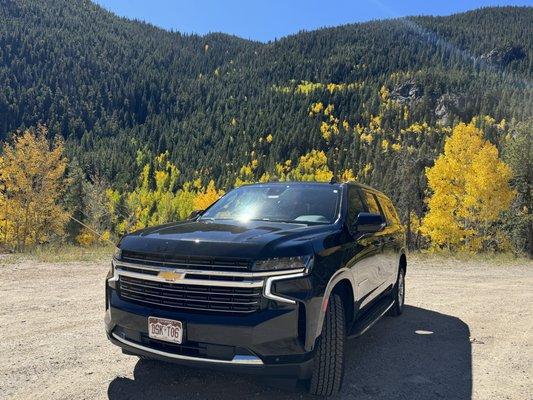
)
(398, 294)
(328, 368)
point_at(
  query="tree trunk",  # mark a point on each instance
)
(530, 241)
(408, 226)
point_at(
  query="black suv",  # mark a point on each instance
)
(271, 279)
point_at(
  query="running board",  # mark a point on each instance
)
(370, 317)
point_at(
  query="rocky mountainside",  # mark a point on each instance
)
(120, 91)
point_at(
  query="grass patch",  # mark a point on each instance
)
(61, 254)
(497, 259)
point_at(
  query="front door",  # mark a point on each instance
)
(363, 253)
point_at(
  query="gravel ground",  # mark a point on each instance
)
(467, 332)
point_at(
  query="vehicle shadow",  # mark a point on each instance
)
(421, 355)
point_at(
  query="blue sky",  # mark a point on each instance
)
(268, 19)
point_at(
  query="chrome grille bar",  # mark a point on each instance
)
(212, 290)
(193, 271)
(188, 299)
(200, 282)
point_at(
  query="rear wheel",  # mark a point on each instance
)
(398, 294)
(328, 368)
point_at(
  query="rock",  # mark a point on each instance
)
(504, 55)
(448, 105)
(407, 92)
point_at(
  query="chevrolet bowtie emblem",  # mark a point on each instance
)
(171, 276)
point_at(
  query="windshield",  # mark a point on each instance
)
(309, 204)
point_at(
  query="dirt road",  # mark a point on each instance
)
(467, 332)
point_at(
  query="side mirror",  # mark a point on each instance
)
(195, 213)
(368, 223)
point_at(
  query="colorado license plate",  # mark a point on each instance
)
(168, 330)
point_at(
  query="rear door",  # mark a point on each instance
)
(392, 238)
(380, 266)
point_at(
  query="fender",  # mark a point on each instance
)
(315, 331)
(402, 253)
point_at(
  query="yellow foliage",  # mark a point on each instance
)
(487, 191)
(325, 130)
(384, 144)
(282, 89)
(122, 223)
(311, 167)
(405, 113)
(269, 138)
(333, 87)
(347, 176)
(32, 184)
(159, 205)
(329, 109)
(365, 171)
(106, 236)
(346, 125)
(470, 188)
(396, 146)
(283, 169)
(375, 123)
(308, 87)
(415, 223)
(266, 177)
(384, 93)
(367, 137)
(417, 128)
(207, 196)
(316, 108)
(247, 174)
(86, 238)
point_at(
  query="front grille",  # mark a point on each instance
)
(189, 262)
(203, 298)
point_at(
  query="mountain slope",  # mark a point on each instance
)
(121, 90)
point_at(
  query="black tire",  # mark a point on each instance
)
(328, 370)
(398, 294)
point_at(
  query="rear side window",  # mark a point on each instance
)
(390, 211)
(355, 204)
(372, 203)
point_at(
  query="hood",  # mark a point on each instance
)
(204, 238)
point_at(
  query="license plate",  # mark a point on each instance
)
(167, 330)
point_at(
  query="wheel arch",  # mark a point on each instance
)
(345, 290)
(341, 283)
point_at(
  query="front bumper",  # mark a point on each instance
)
(271, 341)
(238, 365)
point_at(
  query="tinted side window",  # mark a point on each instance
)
(355, 204)
(390, 211)
(372, 203)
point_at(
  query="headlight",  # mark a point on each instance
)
(117, 253)
(285, 263)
